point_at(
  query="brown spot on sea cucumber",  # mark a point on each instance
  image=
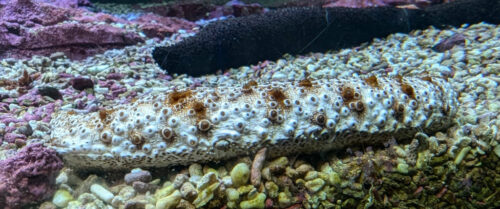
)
(399, 78)
(348, 94)
(359, 107)
(277, 95)
(247, 88)
(305, 83)
(103, 115)
(200, 109)
(427, 78)
(178, 96)
(408, 90)
(372, 81)
(399, 110)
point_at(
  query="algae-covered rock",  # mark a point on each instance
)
(62, 198)
(257, 202)
(245, 189)
(461, 155)
(284, 200)
(303, 169)
(188, 191)
(205, 195)
(315, 185)
(165, 191)
(206, 180)
(272, 189)
(240, 174)
(232, 194)
(402, 167)
(311, 175)
(195, 169)
(497, 150)
(278, 164)
(169, 201)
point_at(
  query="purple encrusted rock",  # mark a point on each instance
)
(29, 176)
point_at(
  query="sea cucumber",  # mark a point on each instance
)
(236, 42)
(213, 124)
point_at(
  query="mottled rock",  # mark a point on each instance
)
(50, 92)
(240, 174)
(102, 193)
(61, 198)
(188, 191)
(315, 185)
(30, 28)
(81, 83)
(138, 175)
(257, 202)
(140, 187)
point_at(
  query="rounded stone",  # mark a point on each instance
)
(62, 198)
(138, 175)
(257, 202)
(102, 193)
(240, 174)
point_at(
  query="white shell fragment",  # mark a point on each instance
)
(212, 124)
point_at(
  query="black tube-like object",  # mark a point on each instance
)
(246, 40)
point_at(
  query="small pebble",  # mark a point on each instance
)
(102, 193)
(26, 130)
(140, 187)
(61, 198)
(140, 175)
(50, 92)
(81, 83)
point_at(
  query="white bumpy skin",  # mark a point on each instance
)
(212, 124)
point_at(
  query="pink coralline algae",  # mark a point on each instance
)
(378, 3)
(193, 11)
(158, 26)
(28, 177)
(30, 28)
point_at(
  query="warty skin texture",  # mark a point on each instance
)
(213, 124)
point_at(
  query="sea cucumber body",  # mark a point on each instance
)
(213, 124)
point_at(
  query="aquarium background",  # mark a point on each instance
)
(71, 70)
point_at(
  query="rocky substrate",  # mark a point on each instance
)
(458, 166)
